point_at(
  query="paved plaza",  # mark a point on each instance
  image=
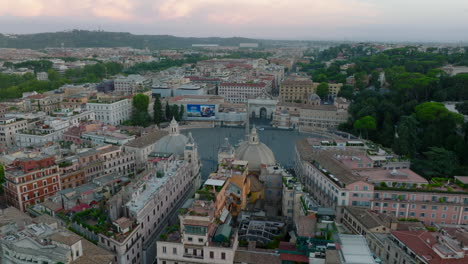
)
(280, 141)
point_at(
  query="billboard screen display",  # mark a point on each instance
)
(196, 110)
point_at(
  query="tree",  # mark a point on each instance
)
(433, 112)
(439, 163)
(53, 75)
(140, 114)
(366, 124)
(168, 112)
(175, 112)
(407, 141)
(158, 112)
(2, 178)
(346, 91)
(322, 90)
(181, 112)
(141, 102)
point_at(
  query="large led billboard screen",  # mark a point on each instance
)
(204, 111)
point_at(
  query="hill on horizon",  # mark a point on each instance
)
(102, 39)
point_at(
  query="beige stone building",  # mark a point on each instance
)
(311, 117)
(302, 89)
(297, 89)
(334, 88)
(8, 129)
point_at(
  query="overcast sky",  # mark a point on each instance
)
(387, 20)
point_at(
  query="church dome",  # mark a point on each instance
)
(174, 142)
(255, 152)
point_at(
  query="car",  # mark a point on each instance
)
(261, 129)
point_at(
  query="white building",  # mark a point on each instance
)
(239, 92)
(111, 113)
(22, 242)
(130, 84)
(200, 239)
(42, 76)
(52, 128)
(8, 129)
(142, 209)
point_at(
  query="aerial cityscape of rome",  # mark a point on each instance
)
(247, 132)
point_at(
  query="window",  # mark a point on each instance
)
(223, 255)
(200, 240)
(433, 215)
(423, 207)
(190, 239)
(434, 207)
(422, 215)
(211, 254)
(174, 251)
(164, 249)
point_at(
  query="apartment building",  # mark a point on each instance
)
(291, 198)
(310, 117)
(149, 201)
(334, 88)
(144, 145)
(297, 89)
(8, 129)
(42, 102)
(44, 242)
(130, 84)
(31, 180)
(347, 177)
(199, 239)
(111, 112)
(240, 92)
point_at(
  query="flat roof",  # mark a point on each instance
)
(354, 249)
(400, 175)
(215, 182)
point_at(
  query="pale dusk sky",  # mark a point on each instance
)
(387, 20)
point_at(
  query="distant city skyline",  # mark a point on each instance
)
(351, 20)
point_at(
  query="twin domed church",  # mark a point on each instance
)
(260, 158)
(252, 150)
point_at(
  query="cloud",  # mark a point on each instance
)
(112, 9)
(234, 12)
(266, 12)
(337, 19)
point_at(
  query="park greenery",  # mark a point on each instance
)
(13, 86)
(407, 113)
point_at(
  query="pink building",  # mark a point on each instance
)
(347, 177)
